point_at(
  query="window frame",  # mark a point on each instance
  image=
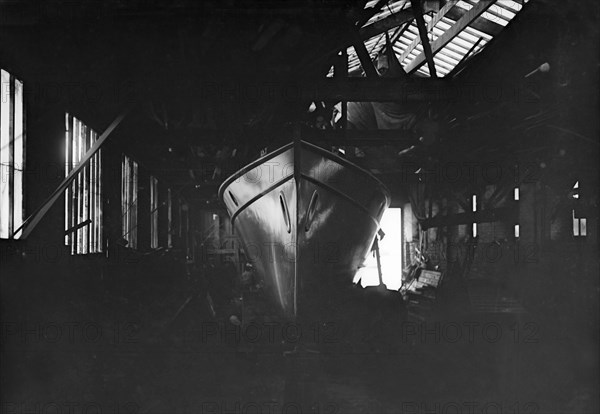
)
(13, 140)
(83, 222)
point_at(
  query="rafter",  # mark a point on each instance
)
(465, 20)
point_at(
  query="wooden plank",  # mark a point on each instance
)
(483, 216)
(423, 33)
(32, 221)
(451, 33)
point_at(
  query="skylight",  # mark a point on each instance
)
(477, 22)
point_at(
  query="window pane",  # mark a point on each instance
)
(83, 199)
(19, 157)
(153, 212)
(5, 149)
(169, 219)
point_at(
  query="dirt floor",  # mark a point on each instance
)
(79, 348)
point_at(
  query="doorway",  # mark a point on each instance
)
(390, 252)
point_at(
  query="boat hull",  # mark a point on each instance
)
(307, 220)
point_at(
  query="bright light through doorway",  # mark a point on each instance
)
(390, 250)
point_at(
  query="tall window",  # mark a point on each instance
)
(516, 197)
(579, 223)
(153, 212)
(474, 208)
(129, 201)
(83, 198)
(12, 155)
(169, 219)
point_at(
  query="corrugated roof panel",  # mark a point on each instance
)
(424, 71)
(466, 44)
(467, 37)
(448, 57)
(478, 33)
(440, 65)
(453, 54)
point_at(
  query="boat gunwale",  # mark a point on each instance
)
(250, 166)
(321, 151)
(258, 196)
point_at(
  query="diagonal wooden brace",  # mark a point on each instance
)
(32, 221)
